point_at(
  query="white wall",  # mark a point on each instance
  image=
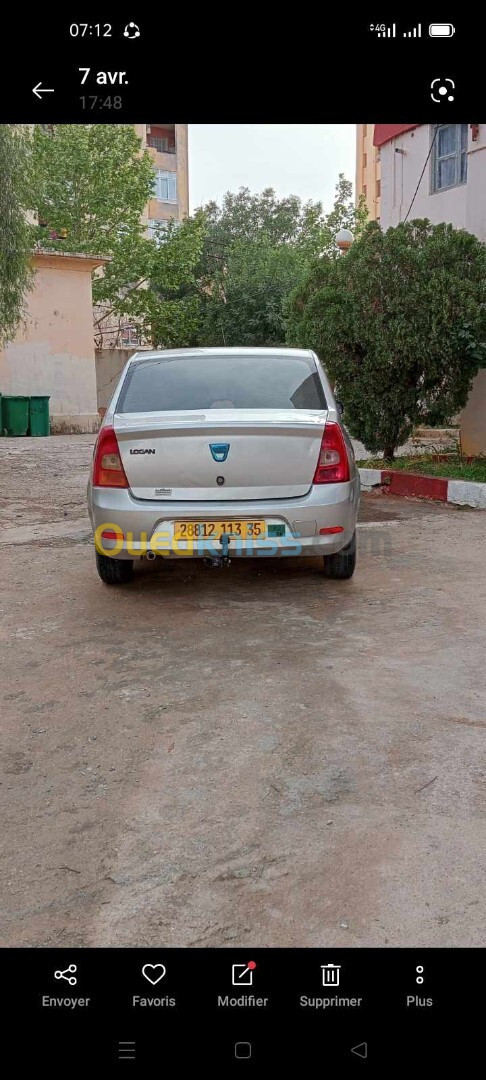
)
(463, 206)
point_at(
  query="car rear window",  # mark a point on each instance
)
(221, 382)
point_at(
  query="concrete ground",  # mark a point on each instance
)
(254, 755)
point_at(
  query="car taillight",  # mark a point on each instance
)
(108, 470)
(333, 463)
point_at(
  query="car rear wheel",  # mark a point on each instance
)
(342, 564)
(114, 571)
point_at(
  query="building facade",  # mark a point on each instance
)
(434, 171)
(167, 146)
(368, 175)
(53, 351)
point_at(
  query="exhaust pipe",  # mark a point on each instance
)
(151, 555)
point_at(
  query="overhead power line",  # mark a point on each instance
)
(422, 173)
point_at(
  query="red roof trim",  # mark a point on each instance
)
(384, 132)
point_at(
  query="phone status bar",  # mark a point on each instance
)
(393, 30)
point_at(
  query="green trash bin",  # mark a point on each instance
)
(39, 415)
(15, 414)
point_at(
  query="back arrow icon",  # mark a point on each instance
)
(39, 90)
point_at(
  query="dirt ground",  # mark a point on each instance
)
(257, 755)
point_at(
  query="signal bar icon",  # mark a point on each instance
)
(388, 31)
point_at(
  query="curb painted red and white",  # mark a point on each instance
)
(460, 492)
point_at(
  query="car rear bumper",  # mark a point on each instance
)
(148, 525)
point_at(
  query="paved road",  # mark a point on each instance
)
(255, 755)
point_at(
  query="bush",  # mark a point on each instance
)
(400, 324)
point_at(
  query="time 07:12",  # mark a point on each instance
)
(96, 101)
(86, 30)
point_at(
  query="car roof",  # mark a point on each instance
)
(162, 353)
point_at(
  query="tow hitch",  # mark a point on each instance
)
(215, 559)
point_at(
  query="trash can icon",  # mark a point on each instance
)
(330, 974)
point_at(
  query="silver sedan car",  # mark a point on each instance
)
(221, 453)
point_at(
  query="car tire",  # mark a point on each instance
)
(114, 571)
(343, 563)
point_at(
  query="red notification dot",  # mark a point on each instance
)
(252, 965)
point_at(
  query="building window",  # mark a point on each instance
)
(165, 186)
(365, 160)
(365, 130)
(378, 189)
(157, 230)
(159, 143)
(449, 166)
(130, 335)
(365, 191)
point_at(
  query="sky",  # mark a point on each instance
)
(294, 159)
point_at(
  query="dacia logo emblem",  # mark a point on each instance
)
(219, 450)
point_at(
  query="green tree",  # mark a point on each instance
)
(243, 304)
(175, 285)
(92, 183)
(244, 216)
(400, 323)
(257, 249)
(163, 297)
(16, 235)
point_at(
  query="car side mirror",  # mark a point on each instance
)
(340, 407)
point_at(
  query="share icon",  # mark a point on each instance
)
(67, 974)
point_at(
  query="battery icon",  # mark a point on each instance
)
(441, 29)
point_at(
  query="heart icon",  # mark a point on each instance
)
(153, 972)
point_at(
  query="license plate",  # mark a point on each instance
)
(213, 530)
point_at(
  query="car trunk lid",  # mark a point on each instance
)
(220, 455)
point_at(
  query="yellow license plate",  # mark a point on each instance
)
(213, 530)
